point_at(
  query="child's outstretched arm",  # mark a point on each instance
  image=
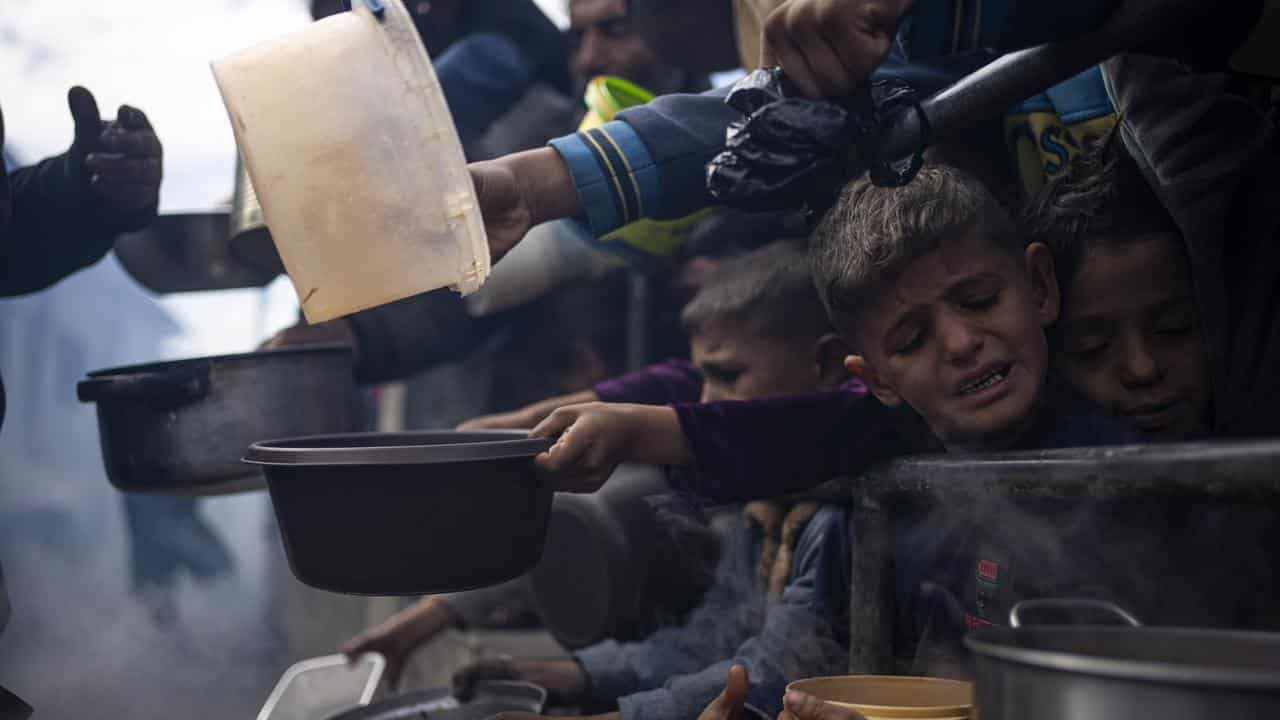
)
(670, 381)
(594, 438)
(730, 451)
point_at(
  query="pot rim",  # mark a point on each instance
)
(993, 643)
(301, 452)
(318, 349)
(940, 712)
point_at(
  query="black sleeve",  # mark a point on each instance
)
(57, 227)
(407, 336)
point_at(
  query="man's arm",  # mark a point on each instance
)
(649, 162)
(54, 230)
(68, 209)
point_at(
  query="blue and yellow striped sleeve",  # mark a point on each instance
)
(614, 175)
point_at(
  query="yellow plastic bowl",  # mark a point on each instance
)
(892, 697)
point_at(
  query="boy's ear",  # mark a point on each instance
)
(858, 367)
(1044, 282)
(829, 354)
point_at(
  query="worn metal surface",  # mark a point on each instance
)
(181, 427)
(871, 605)
(1246, 472)
(1117, 673)
(187, 252)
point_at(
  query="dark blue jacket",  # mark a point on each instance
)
(675, 672)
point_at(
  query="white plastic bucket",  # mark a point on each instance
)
(345, 133)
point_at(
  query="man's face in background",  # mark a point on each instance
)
(697, 36)
(604, 41)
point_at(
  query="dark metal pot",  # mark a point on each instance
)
(187, 252)
(407, 513)
(182, 426)
(1105, 672)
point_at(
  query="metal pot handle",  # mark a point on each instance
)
(163, 388)
(1015, 613)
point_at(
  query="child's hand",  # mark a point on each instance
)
(729, 704)
(798, 705)
(594, 438)
(401, 634)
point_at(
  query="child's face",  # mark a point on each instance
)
(737, 364)
(1129, 337)
(960, 338)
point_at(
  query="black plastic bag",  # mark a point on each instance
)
(791, 153)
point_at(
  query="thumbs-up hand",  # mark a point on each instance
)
(120, 161)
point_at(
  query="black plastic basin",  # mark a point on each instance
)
(407, 513)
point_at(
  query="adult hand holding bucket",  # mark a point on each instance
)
(346, 136)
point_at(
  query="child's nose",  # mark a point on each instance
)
(1138, 366)
(959, 339)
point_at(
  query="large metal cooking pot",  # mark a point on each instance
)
(182, 426)
(1107, 672)
(407, 513)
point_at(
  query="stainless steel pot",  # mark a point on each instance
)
(250, 239)
(182, 427)
(1106, 672)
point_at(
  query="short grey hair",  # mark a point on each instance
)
(768, 290)
(870, 236)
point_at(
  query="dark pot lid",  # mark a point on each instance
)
(326, 349)
(406, 448)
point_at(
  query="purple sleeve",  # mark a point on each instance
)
(666, 383)
(764, 448)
